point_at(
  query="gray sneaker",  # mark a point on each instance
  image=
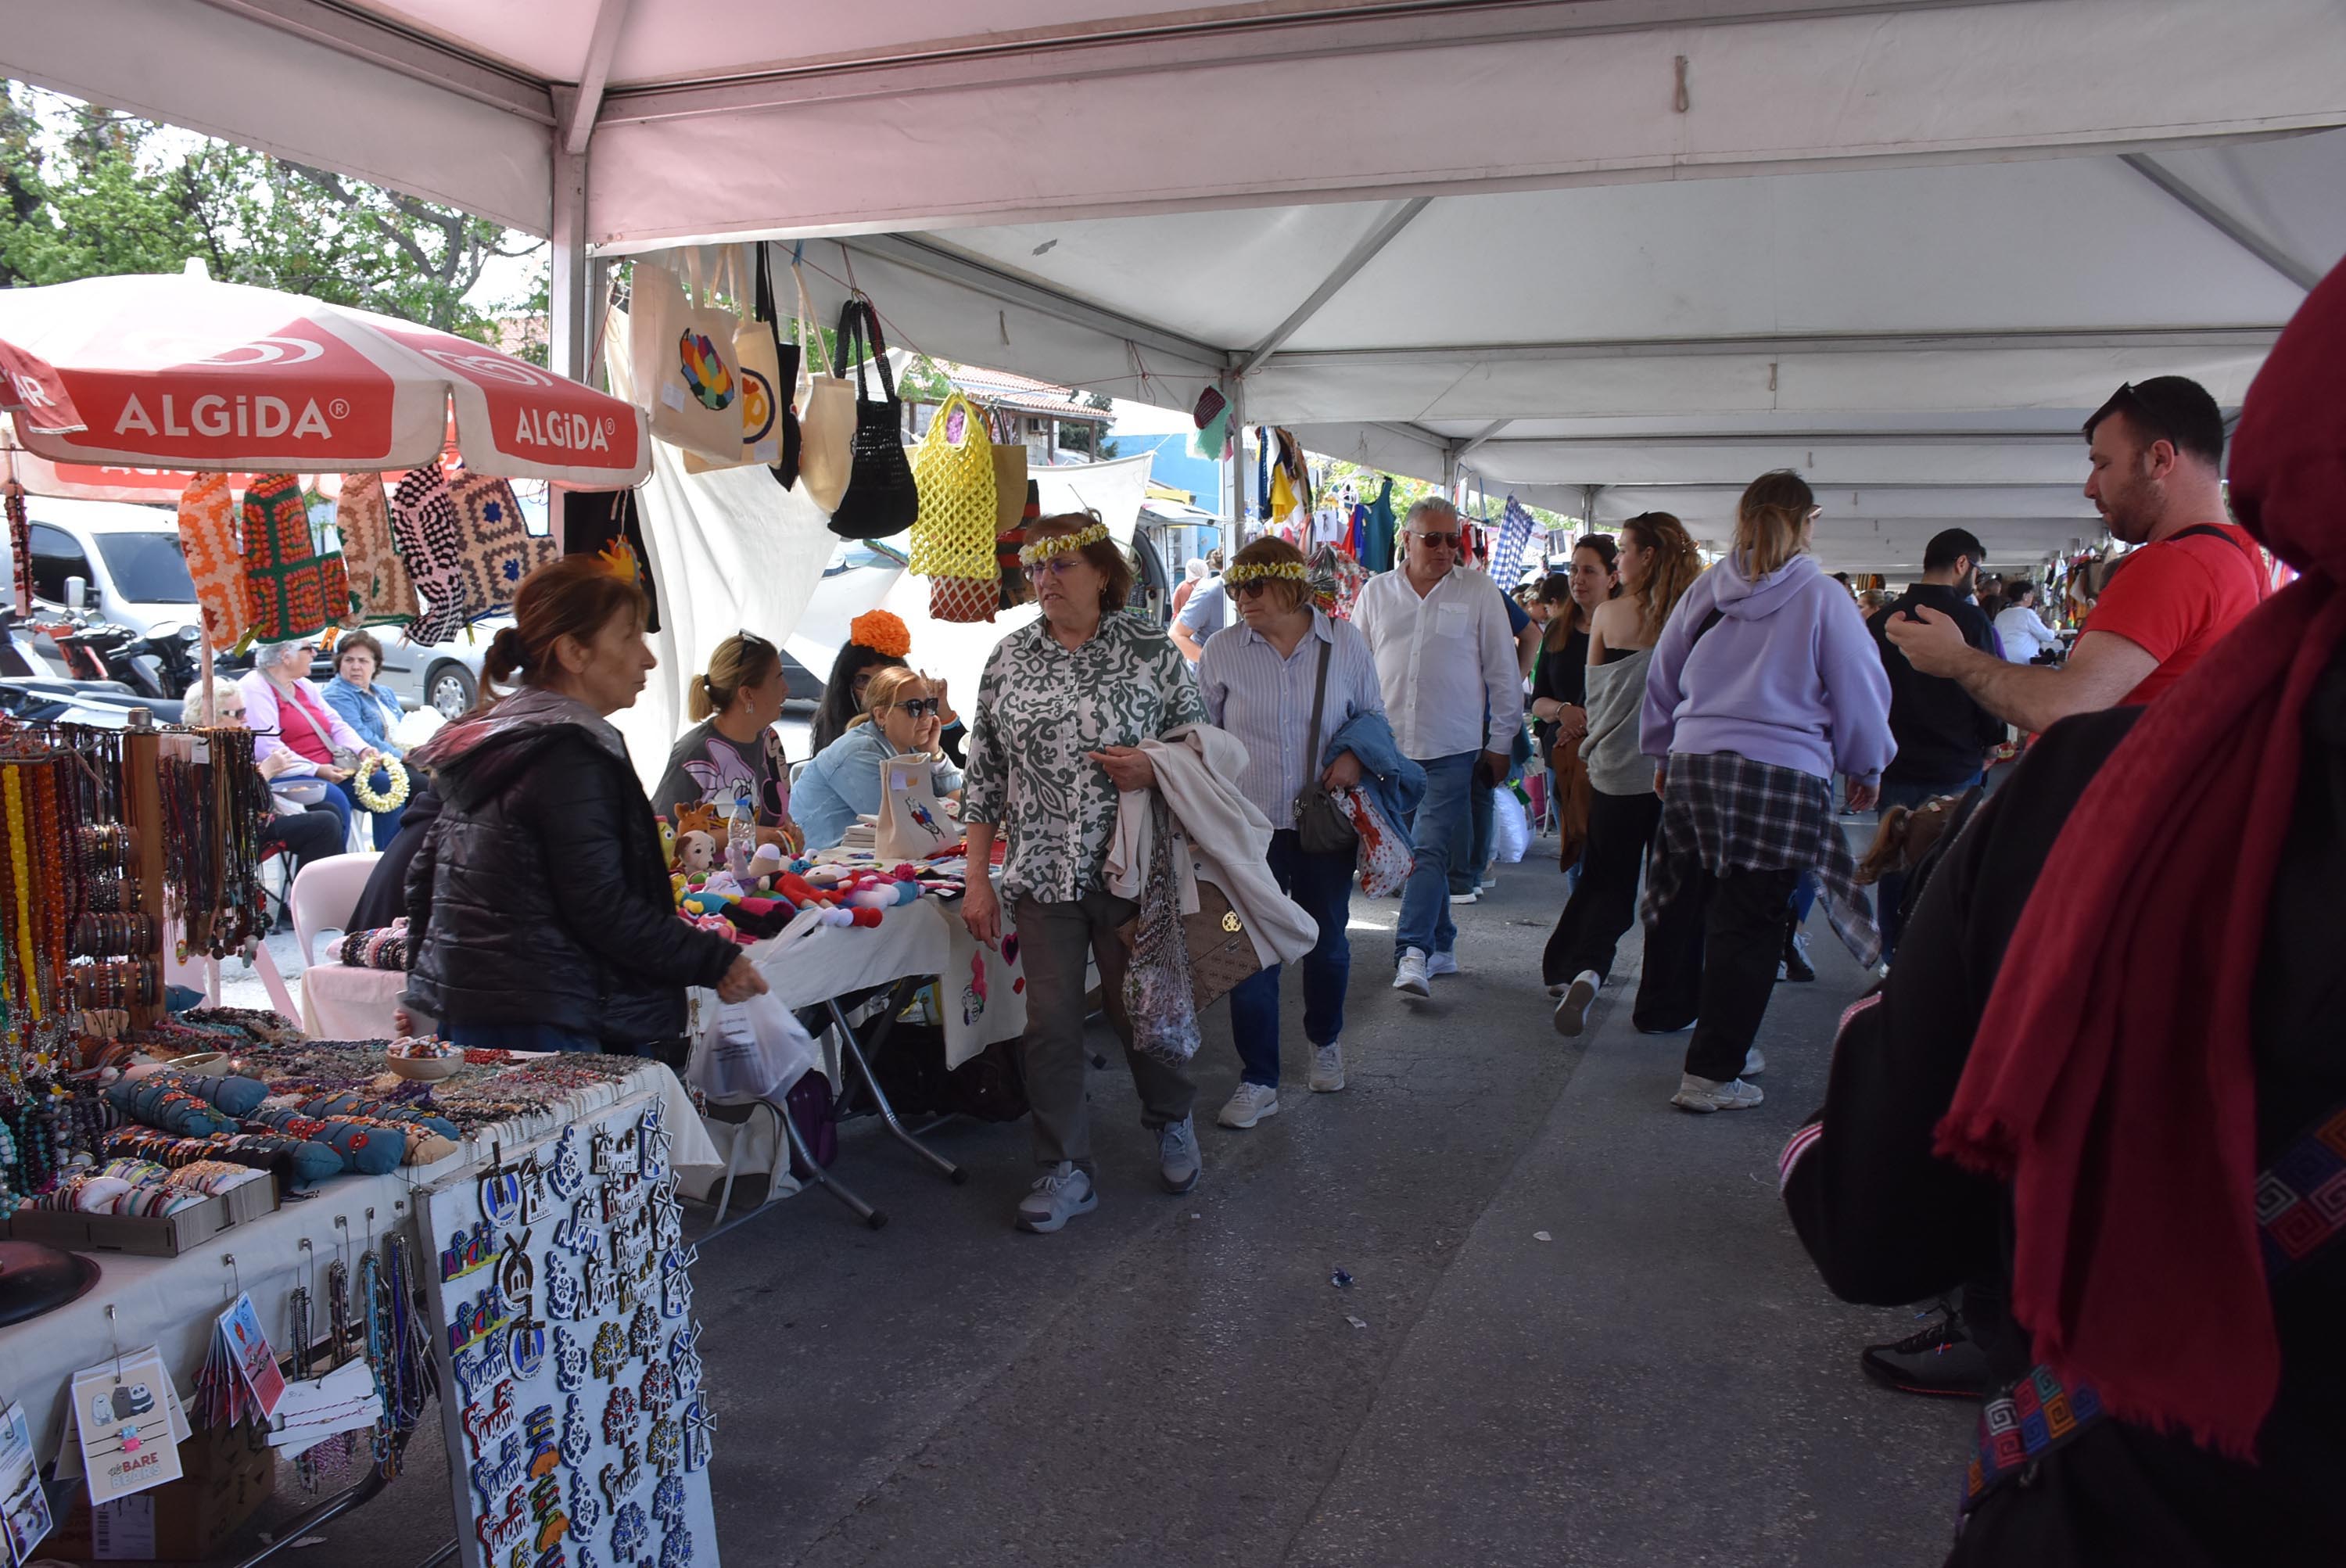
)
(1062, 1193)
(1178, 1159)
(1708, 1095)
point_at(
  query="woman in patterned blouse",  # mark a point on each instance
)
(1062, 708)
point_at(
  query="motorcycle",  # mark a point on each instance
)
(160, 663)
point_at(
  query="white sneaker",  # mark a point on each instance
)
(1248, 1104)
(1409, 974)
(1464, 898)
(1572, 1013)
(1063, 1193)
(1442, 964)
(1327, 1067)
(1754, 1064)
(1709, 1095)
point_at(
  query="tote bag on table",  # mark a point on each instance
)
(881, 497)
(826, 416)
(912, 822)
(685, 367)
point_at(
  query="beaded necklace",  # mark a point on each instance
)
(20, 867)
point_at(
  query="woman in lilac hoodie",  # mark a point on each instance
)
(1764, 684)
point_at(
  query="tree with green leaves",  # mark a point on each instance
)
(87, 191)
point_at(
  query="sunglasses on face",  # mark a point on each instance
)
(1440, 541)
(1252, 590)
(922, 706)
(1057, 566)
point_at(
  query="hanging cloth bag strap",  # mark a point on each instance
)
(1322, 826)
(786, 360)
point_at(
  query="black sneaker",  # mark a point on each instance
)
(1795, 965)
(1941, 1359)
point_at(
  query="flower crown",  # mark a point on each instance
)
(1256, 571)
(882, 632)
(1051, 545)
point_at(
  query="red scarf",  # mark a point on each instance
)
(2112, 1082)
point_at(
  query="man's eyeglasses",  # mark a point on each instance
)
(1441, 541)
(922, 707)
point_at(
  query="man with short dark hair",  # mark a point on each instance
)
(2156, 449)
(1944, 736)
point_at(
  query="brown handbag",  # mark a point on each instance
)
(1221, 953)
(1571, 789)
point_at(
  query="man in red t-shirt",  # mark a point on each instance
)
(2158, 453)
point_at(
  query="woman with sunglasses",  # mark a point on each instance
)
(1062, 708)
(899, 719)
(1764, 684)
(733, 750)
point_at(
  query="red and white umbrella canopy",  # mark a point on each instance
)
(31, 389)
(176, 371)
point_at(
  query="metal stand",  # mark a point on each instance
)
(863, 1211)
(852, 1047)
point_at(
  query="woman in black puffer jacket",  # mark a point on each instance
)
(539, 907)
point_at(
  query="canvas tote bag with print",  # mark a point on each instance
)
(757, 360)
(826, 415)
(912, 822)
(685, 370)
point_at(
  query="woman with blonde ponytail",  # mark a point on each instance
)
(1658, 562)
(732, 750)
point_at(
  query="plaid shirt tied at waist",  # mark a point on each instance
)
(1725, 812)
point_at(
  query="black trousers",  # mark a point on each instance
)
(1604, 904)
(1743, 939)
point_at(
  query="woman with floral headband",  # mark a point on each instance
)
(1062, 708)
(1266, 680)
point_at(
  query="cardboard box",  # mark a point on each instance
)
(165, 1235)
(225, 1479)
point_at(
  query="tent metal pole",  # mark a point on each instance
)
(570, 300)
(1234, 527)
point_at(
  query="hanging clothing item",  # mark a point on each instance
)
(604, 522)
(1516, 526)
(1377, 549)
(424, 522)
(284, 591)
(1356, 529)
(207, 539)
(1262, 473)
(381, 592)
(499, 550)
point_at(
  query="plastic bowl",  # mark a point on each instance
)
(426, 1069)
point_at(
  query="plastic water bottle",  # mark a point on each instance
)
(740, 836)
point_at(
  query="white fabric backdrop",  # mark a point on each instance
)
(729, 550)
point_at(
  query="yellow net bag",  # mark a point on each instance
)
(953, 536)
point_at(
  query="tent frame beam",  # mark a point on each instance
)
(395, 49)
(2222, 220)
(1398, 216)
(1490, 432)
(2202, 337)
(602, 43)
(934, 261)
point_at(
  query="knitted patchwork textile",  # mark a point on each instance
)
(424, 524)
(284, 591)
(207, 539)
(499, 550)
(381, 592)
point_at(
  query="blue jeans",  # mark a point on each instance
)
(1426, 923)
(1893, 891)
(1470, 851)
(1322, 885)
(519, 1037)
(1804, 897)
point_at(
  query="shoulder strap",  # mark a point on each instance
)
(2209, 531)
(1319, 698)
(1708, 621)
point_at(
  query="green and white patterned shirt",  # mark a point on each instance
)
(1040, 708)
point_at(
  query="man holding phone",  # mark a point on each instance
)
(1453, 690)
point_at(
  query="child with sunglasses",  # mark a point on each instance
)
(902, 717)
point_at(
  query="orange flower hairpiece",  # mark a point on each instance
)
(881, 631)
(618, 558)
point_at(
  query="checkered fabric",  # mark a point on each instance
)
(1727, 812)
(284, 591)
(424, 524)
(2038, 1415)
(2301, 1196)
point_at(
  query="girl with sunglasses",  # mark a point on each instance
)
(901, 717)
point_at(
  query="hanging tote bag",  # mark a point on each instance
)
(881, 497)
(786, 374)
(953, 537)
(215, 560)
(424, 524)
(381, 592)
(683, 367)
(912, 822)
(757, 361)
(284, 591)
(826, 416)
(1160, 991)
(1009, 473)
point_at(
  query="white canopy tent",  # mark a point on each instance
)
(1609, 254)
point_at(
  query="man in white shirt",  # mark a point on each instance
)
(1445, 659)
(2018, 628)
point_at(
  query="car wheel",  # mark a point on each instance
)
(449, 690)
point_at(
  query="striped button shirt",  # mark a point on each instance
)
(1265, 701)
